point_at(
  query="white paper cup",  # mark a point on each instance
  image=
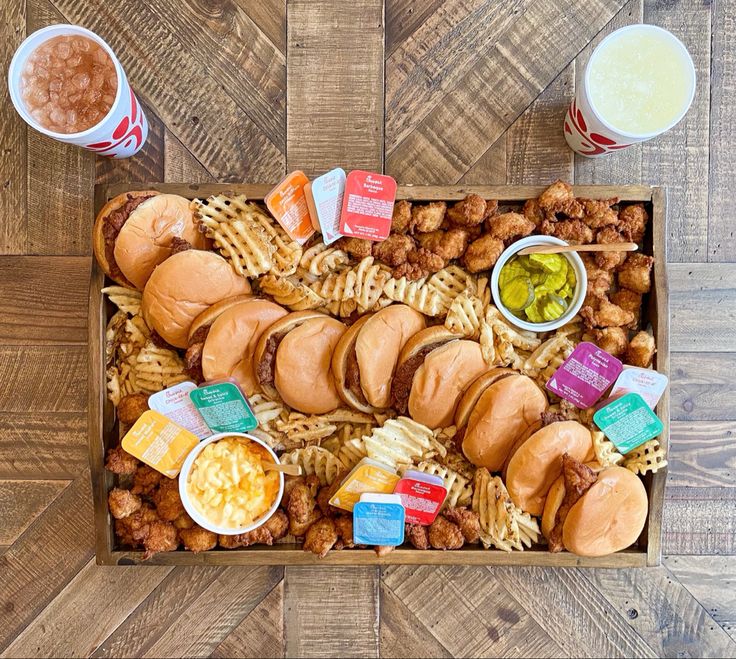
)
(192, 510)
(587, 132)
(581, 285)
(124, 129)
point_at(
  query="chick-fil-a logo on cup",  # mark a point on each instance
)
(587, 132)
(123, 130)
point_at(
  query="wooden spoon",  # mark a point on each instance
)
(558, 249)
(289, 470)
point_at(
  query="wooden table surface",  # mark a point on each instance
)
(434, 92)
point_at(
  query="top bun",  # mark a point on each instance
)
(232, 338)
(302, 373)
(503, 413)
(145, 239)
(441, 380)
(538, 462)
(182, 287)
(609, 517)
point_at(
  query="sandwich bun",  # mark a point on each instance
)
(473, 393)
(345, 380)
(182, 287)
(441, 380)
(302, 370)
(502, 414)
(210, 314)
(609, 517)
(537, 463)
(145, 239)
(104, 237)
(232, 339)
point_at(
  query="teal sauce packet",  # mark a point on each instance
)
(628, 422)
(223, 407)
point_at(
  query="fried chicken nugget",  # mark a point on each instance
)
(119, 461)
(146, 480)
(572, 231)
(559, 198)
(326, 493)
(417, 535)
(606, 315)
(133, 529)
(298, 529)
(641, 350)
(162, 536)
(131, 407)
(123, 503)
(394, 250)
(356, 247)
(167, 500)
(277, 525)
(533, 212)
(321, 537)
(468, 212)
(614, 340)
(447, 245)
(198, 539)
(466, 520)
(383, 550)
(344, 527)
(401, 218)
(443, 534)
(629, 301)
(183, 522)
(483, 253)
(428, 217)
(302, 500)
(510, 226)
(599, 280)
(610, 260)
(597, 213)
(636, 273)
(633, 220)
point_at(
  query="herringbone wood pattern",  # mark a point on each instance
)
(434, 91)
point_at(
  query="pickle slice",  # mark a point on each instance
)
(511, 270)
(555, 281)
(571, 278)
(566, 291)
(548, 262)
(552, 306)
(534, 313)
(529, 265)
(517, 294)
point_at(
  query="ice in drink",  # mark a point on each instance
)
(68, 84)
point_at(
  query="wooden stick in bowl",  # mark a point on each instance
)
(289, 470)
(558, 249)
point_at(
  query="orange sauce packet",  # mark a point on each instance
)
(288, 204)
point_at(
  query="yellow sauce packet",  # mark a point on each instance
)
(367, 476)
(159, 443)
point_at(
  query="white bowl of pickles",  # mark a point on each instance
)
(538, 292)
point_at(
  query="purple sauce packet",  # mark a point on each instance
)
(585, 375)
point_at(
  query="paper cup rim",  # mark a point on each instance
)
(196, 515)
(581, 285)
(688, 58)
(16, 63)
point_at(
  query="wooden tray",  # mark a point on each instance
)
(103, 428)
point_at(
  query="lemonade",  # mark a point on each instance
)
(640, 80)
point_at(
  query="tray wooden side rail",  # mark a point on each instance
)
(103, 431)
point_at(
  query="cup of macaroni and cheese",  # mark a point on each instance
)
(224, 486)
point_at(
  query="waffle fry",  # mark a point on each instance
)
(315, 460)
(452, 281)
(459, 488)
(400, 441)
(320, 259)
(465, 315)
(647, 458)
(505, 331)
(127, 300)
(301, 430)
(502, 524)
(484, 291)
(266, 411)
(288, 252)
(552, 349)
(157, 368)
(605, 452)
(364, 284)
(290, 292)
(340, 308)
(418, 295)
(487, 342)
(235, 227)
(352, 452)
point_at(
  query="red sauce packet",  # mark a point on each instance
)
(368, 205)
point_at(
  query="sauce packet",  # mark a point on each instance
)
(159, 442)
(378, 519)
(421, 495)
(368, 205)
(324, 199)
(649, 384)
(367, 476)
(288, 205)
(585, 375)
(628, 422)
(174, 403)
(223, 407)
